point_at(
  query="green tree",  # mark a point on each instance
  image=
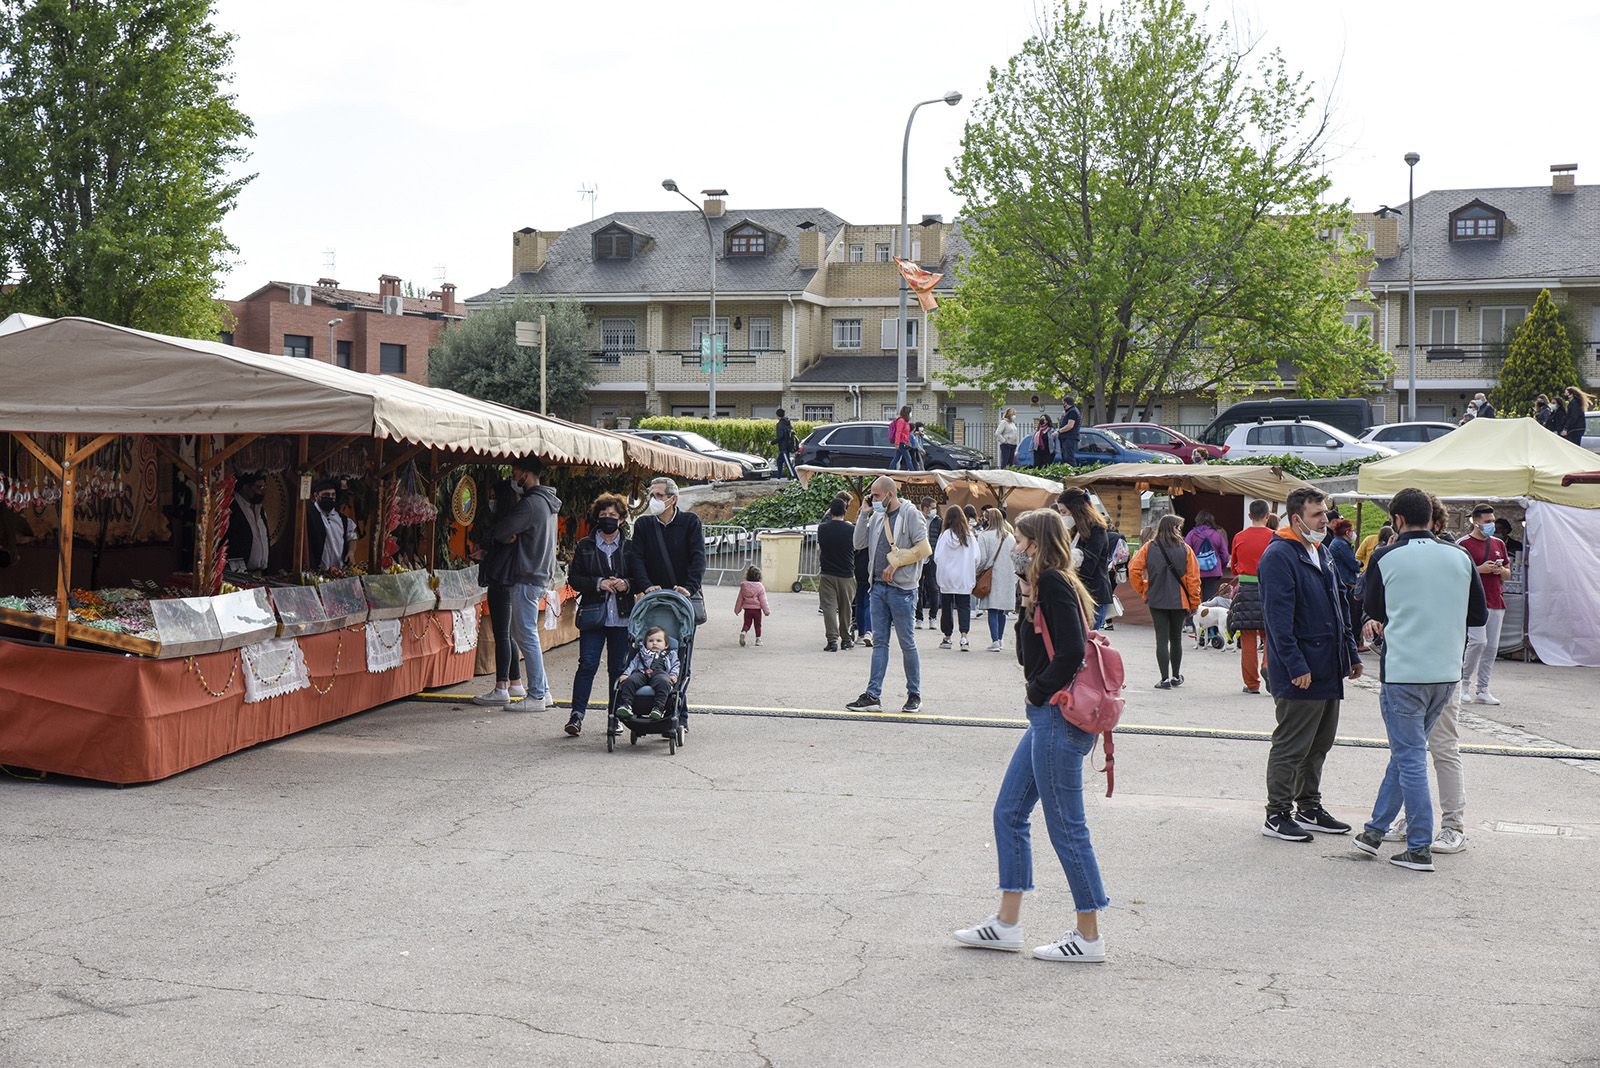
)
(117, 138)
(1539, 359)
(1144, 206)
(479, 356)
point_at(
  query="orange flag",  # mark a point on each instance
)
(920, 281)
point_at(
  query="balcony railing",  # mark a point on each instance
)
(1494, 350)
(692, 357)
(613, 357)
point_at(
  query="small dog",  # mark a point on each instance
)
(1211, 622)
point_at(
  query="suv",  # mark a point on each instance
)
(866, 444)
(1352, 415)
(1403, 437)
(1305, 438)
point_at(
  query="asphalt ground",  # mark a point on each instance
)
(437, 883)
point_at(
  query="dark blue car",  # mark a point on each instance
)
(1096, 446)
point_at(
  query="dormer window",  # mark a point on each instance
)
(613, 245)
(1477, 221)
(747, 240)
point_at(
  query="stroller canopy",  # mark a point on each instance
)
(667, 609)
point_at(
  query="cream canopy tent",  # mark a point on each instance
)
(1001, 487)
(1490, 458)
(20, 321)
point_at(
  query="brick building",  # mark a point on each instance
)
(380, 333)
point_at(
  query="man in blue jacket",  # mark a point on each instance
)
(1310, 652)
(1421, 596)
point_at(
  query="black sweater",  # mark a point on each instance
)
(668, 554)
(1056, 598)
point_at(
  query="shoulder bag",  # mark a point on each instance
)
(985, 581)
(1093, 700)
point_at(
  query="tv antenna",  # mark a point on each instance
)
(592, 191)
(330, 262)
(441, 273)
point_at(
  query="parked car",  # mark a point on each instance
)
(1305, 438)
(753, 467)
(866, 444)
(1403, 437)
(1591, 432)
(1157, 438)
(1351, 415)
(1099, 446)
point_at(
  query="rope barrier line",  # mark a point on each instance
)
(1011, 723)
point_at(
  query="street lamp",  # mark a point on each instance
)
(711, 242)
(333, 346)
(1412, 159)
(952, 98)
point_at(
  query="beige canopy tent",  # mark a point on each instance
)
(644, 456)
(1001, 487)
(1490, 458)
(1119, 485)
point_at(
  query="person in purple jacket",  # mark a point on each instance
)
(1210, 547)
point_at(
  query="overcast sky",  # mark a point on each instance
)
(415, 137)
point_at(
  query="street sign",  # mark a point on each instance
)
(527, 334)
(708, 340)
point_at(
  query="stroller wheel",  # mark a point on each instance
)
(611, 743)
(672, 742)
(633, 737)
(1217, 643)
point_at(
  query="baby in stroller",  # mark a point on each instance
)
(654, 665)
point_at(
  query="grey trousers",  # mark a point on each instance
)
(1444, 745)
(838, 593)
(1300, 743)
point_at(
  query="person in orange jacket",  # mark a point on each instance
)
(1166, 574)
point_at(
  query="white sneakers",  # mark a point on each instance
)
(1486, 698)
(1449, 841)
(1070, 948)
(517, 691)
(994, 647)
(992, 934)
(492, 699)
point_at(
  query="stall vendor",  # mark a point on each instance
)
(247, 524)
(329, 532)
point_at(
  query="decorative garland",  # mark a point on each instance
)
(333, 679)
(288, 662)
(194, 667)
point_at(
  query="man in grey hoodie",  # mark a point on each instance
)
(530, 530)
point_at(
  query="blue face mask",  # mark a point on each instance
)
(877, 506)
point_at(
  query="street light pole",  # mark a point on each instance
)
(952, 98)
(1412, 159)
(711, 242)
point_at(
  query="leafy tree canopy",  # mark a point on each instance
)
(1145, 214)
(1539, 359)
(480, 357)
(117, 139)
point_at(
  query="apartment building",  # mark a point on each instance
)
(380, 333)
(807, 306)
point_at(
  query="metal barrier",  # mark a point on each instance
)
(810, 556)
(729, 551)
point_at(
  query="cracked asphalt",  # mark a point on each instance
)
(432, 883)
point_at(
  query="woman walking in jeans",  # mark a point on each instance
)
(1165, 572)
(600, 568)
(1047, 767)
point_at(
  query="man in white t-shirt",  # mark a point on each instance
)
(329, 532)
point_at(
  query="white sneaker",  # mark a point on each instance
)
(1449, 841)
(994, 647)
(966, 646)
(992, 934)
(1397, 833)
(1486, 698)
(492, 699)
(1075, 949)
(533, 704)
(758, 642)
(518, 691)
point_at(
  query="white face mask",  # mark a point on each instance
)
(1071, 522)
(1314, 537)
(656, 506)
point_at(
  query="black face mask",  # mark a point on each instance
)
(327, 504)
(608, 524)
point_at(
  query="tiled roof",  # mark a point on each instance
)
(1547, 234)
(676, 260)
(849, 370)
(363, 299)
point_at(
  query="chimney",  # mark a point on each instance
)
(1563, 177)
(1386, 235)
(388, 285)
(932, 239)
(447, 298)
(811, 246)
(328, 283)
(530, 249)
(716, 204)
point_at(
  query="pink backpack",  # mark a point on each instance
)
(1093, 700)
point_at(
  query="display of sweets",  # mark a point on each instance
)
(117, 611)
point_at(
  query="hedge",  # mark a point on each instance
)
(741, 435)
(1297, 466)
(793, 506)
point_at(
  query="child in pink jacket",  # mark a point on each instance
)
(752, 601)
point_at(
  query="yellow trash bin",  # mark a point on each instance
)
(780, 559)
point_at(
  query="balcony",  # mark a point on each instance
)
(619, 370)
(756, 368)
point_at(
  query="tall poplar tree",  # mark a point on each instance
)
(1539, 359)
(118, 137)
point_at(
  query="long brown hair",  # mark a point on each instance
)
(955, 521)
(997, 522)
(1052, 552)
(1170, 529)
(1079, 505)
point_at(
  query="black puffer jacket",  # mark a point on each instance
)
(1245, 611)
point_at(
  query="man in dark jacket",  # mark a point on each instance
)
(530, 530)
(1310, 653)
(670, 546)
(837, 584)
(786, 443)
(329, 532)
(248, 540)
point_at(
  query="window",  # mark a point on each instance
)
(890, 412)
(850, 435)
(225, 336)
(816, 413)
(886, 332)
(847, 333)
(1310, 437)
(760, 339)
(880, 252)
(617, 336)
(698, 327)
(858, 253)
(1472, 228)
(297, 345)
(747, 240)
(613, 244)
(342, 357)
(392, 359)
(1477, 221)
(1496, 325)
(1268, 435)
(698, 411)
(1362, 321)
(1442, 327)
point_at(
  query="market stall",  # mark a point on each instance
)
(132, 478)
(1011, 490)
(1555, 586)
(1225, 490)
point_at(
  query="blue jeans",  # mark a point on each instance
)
(1409, 711)
(997, 624)
(892, 605)
(1048, 767)
(614, 642)
(863, 608)
(902, 459)
(1100, 611)
(525, 631)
